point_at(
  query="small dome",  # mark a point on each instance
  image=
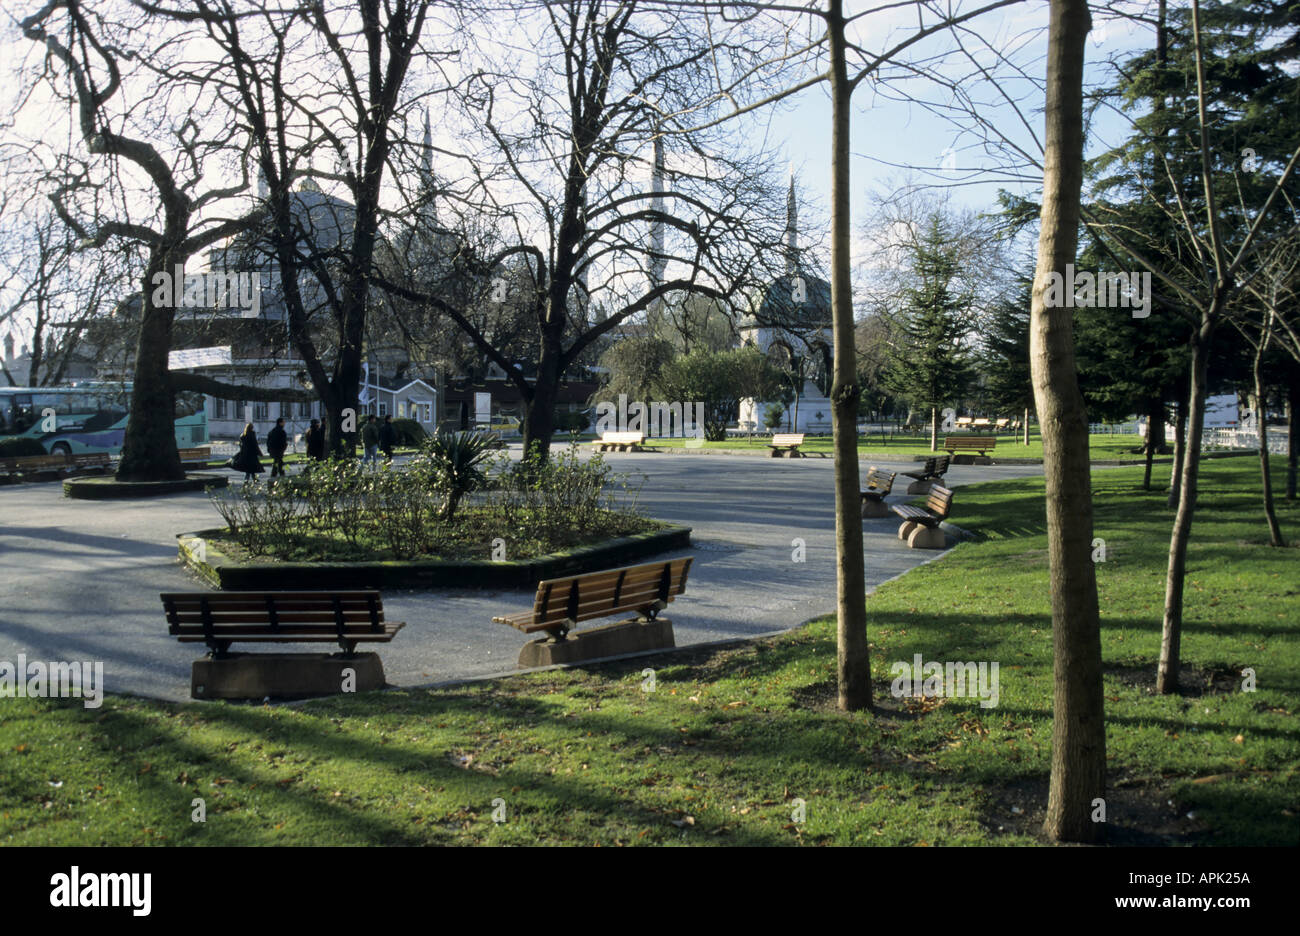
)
(778, 305)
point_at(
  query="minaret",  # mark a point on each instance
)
(658, 262)
(9, 346)
(428, 183)
(791, 230)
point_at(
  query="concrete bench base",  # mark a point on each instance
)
(284, 675)
(787, 452)
(920, 487)
(972, 460)
(919, 536)
(596, 642)
(873, 508)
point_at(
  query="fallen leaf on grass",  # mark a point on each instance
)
(684, 822)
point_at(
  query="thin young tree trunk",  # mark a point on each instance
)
(1078, 726)
(1180, 447)
(1261, 414)
(1155, 413)
(1171, 631)
(934, 428)
(853, 661)
(1026, 425)
(1292, 453)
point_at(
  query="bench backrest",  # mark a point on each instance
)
(964, 420)
(90, 458)
(929, 465)
(879, 481)
(939, 501)
(957, 443)
(788, 438)
(941, 464)
(209, 614)
(30, 462)
(623, 438)
(641, 588)
(194, 453)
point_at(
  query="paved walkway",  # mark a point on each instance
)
(80, 580)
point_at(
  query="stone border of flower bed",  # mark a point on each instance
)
(224, 572)
(112, 489)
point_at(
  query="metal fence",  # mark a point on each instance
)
(1247, 439)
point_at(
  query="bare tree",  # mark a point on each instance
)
(101, 57)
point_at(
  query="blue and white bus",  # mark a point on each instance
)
(88, 417)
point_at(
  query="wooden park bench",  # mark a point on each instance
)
(920, 528)
(219, 619)
(195, 456)
(879, 484)
(34, 464)
(619, 442)
(964, 445)
(89, 461)
(788, 442)
(561, 604)
(1003, 425)
(964, 422)
(935, 467)
(982, 425)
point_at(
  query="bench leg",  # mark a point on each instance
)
(874, 508)
(926, 537)
(906, 529)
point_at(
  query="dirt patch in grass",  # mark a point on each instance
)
(1138, 813)
(1193, 681)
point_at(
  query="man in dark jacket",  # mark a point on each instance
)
(277, 440)
(315, 439)
(387, 437)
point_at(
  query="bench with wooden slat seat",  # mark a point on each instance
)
(89, 461)
(964, 422)
(220, 619)
(34, 464)
(920, 528)
(1002, 425)
(982, 425)
(787, 442)
(195, 456)
(619, 442)
(561, 604)
(962, 446)
(879, 484)
(935, 467)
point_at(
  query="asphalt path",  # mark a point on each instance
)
(79, 580)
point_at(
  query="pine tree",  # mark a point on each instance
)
(928, 361)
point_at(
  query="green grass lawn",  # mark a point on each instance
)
(1102, 446)
(742, 745)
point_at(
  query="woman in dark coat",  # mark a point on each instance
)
(248, 459)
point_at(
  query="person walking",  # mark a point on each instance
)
(277, 440)
(370, 440)
(249, 458)
(315, 439)
(387, 437)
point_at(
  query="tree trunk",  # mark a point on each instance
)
(1292, 453)
(1155, 417)
(934, 428)
(149, 446)
(1180, 447)
(853, 661)
(1266, 478)
(539, 414)
(1171, 632)
(1078, 726)
(1026, 425)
